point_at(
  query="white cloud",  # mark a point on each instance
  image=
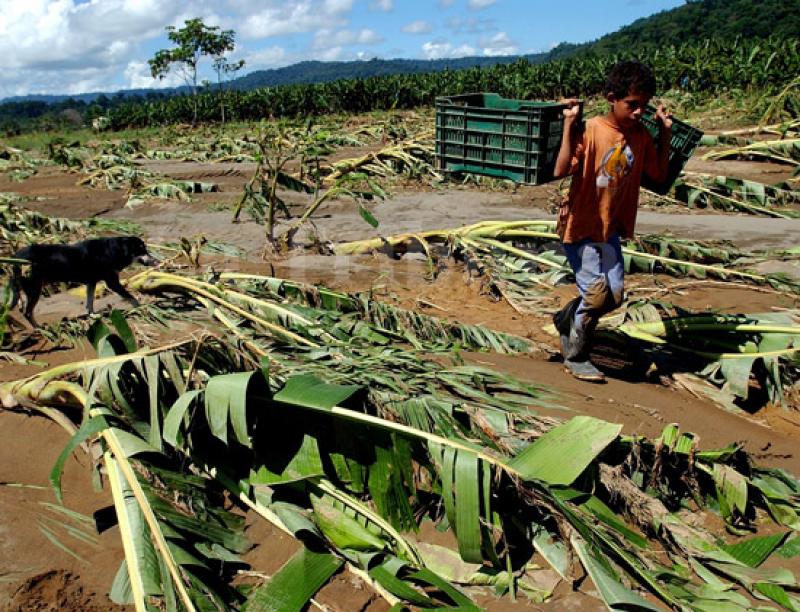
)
(64, 34)
(66, 46)
(137, 76)
(74, 46)
(330, 55)
(437, 50)
(327, 39)
(268, 57)
(59, 46)
(499, 44)
(417, 27)
(276, 18)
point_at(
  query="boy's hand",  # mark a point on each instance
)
(663, 117)
(573, 110)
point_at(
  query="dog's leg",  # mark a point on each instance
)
(90, 297)
(32, 288)
(14, 287)
(114, 284)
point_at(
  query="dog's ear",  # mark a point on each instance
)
(139, 246)
(133, 246)
(125, 247)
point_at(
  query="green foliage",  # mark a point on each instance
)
(704, 19)
(193, 41)
(703, 46)
(20, 226)
(325, 462)
(736, 194)
(706, 66)
(295, 583)
(729, 351)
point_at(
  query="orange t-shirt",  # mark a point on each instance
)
(607, 171)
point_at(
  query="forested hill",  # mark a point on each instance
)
(325, 72)
(695, 20)
(701, 19)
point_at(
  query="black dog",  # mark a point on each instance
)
(87, 262)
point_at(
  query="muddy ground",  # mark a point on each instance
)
(35, 574)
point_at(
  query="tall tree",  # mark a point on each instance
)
(192, 42)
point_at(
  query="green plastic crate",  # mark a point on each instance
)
(685, 139)
(483, 133)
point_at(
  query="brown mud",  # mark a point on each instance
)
(35, 574)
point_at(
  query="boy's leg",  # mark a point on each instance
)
(615, 275)
(599, 275)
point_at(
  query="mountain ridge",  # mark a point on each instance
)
(316, 71)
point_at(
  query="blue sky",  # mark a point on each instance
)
(76, 46)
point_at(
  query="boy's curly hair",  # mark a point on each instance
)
(630, 77)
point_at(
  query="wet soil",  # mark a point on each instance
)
(36, 574)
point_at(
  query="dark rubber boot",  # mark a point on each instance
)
(584, 370)
(564, 317)
(563, 323)
(575, 344)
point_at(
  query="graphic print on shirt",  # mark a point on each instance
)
(616, 164)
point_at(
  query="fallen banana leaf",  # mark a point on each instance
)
(295, 583)
(481, 474)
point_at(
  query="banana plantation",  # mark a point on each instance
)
(343, 372)
(708, 67)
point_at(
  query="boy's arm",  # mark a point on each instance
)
(568, 140)
(664, 120)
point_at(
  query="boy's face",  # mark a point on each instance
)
(628, 111)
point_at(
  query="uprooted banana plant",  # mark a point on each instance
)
(18, 164)
(169, 190)
(734, 194)
(281, 146)
(72, 154)
(518, 262)
(515, 250)
(350, 447)
(784, 105)
(784, 151)
(117, 170)
(119, 176)
(742, 356)
(253, 306)
(410, 158)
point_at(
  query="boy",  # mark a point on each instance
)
(606, 159)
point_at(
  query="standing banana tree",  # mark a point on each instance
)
(281, 146)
